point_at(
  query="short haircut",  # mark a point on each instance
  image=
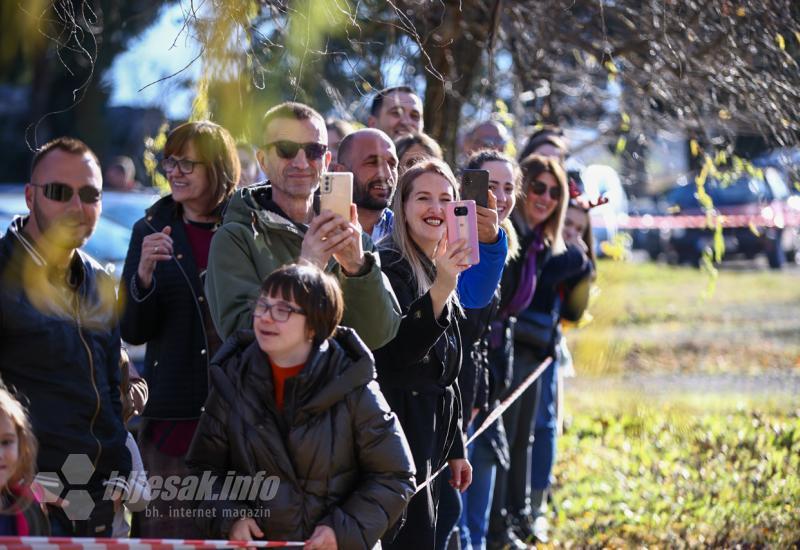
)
(547, 135)
(534, 165)
(216, 149)
(288, 110)
(316, 292)
(347, 143)
(342, 127)
(423, 140)
(125, 164)
(377, 101)
(67, 144)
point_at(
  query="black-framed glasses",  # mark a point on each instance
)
(61, 192)
(279, 311)
(540, 188)
(288, 149)
(186, 166)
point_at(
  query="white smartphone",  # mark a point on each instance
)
(336, 193)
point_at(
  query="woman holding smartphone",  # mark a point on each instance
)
(296, 399)
(483, 377)
(163, 301)
(534, 289)
(418, 370)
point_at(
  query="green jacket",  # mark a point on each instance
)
(254, 241)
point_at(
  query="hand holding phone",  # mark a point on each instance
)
(462, 223)
(475, 186)
(336, 193)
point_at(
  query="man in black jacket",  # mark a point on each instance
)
(59, 335)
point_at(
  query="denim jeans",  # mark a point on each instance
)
(476, 502)
(543, 452)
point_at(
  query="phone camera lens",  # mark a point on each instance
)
(460, 210)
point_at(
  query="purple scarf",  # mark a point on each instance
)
(524, 293)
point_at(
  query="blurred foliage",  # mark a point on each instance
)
(643, 476)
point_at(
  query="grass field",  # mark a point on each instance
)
(684, 461)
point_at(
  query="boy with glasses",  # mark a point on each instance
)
(275, 223)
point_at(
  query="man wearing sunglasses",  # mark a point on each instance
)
(59, 337)
(275, 223)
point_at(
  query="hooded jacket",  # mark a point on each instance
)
(338, 451)
(59, 349)
(255, 239)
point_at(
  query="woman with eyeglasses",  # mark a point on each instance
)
(164, 306)
(534, 292)
(418, 369)
(294, 403)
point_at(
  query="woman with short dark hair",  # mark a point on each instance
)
(296, 399)
(163, 302)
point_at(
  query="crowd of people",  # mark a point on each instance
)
(351, 358)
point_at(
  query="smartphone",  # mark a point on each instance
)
(336, 193)
(462, 223)
(475, 186)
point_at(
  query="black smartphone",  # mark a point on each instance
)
(475, 186)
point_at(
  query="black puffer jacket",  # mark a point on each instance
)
(59, 348)
(339, 452)
(171, 317)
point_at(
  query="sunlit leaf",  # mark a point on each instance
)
(626, 122)
(740, 11)
(694, 147)
(780, 41)
(622, 142)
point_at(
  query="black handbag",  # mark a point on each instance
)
(535, 329)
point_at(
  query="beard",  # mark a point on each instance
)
(61, 232)
(363, 199)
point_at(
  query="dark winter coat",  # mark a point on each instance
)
(59, 350)
(171, 317)
(338, 451)
(421, 363)
(473, 379)
(418, 373)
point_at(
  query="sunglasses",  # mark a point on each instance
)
(280, 312)
(186, 166)
(288, 149)
(61, 192)
(540, 188)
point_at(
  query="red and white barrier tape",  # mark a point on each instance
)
(74, 543)
(678, 221)
(495, 414)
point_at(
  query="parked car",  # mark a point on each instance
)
(760, 196)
